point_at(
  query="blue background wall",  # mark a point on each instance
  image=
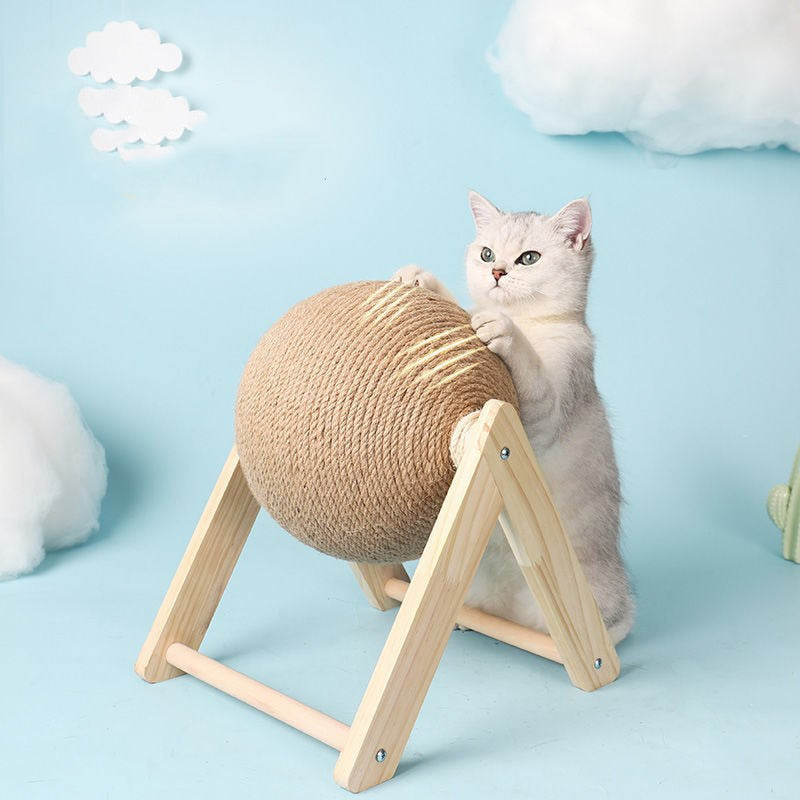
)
(341, 142)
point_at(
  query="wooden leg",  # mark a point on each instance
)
(372, 580)
(545, 555)
(422, 627)
(203, 573)
(498, 477)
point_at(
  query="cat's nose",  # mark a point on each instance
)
(498, 273)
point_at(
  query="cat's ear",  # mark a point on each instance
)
(574, 222)
(482, 210)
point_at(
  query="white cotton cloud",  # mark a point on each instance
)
(52, 470)
(677, 77)
(152, 115)
(123, 52)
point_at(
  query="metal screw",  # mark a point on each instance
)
(598, 662)
(505, 453)
(380, 755)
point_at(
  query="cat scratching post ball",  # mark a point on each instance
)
(345, 412)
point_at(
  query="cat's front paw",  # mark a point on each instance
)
(495, 330)
(414, 275)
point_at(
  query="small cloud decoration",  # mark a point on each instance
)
(144, 118)
(52, 470)
(673, 77)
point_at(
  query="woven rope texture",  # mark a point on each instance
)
(345, 412)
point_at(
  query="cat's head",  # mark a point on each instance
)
(537, 262)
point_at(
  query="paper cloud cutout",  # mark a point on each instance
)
(124, 52)
(152, 115)
(674, 77)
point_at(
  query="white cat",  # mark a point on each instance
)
(528, 275)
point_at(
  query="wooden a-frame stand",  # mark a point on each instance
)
(498, 478)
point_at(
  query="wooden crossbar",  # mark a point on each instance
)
(315, 723)
(504, 630)
(264, 698)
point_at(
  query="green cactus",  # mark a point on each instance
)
(783, 506)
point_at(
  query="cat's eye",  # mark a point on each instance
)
(487, 254)
(528, 257)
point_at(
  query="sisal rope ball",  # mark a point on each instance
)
(345, 412)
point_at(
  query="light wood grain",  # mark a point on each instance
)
(203, 573)
(372, 580)
(266, 699)
(545, 555)
(422, 627)
(485, 487)
(490, 625)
